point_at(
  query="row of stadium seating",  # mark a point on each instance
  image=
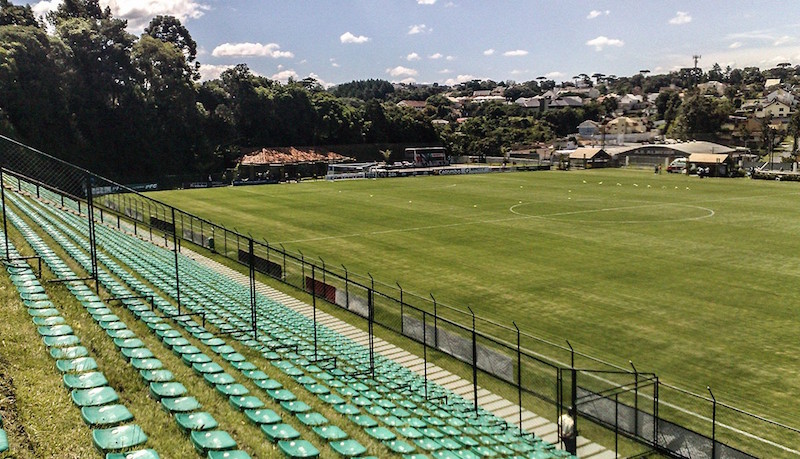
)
(448, 429)
(201, 426)
(99, 403)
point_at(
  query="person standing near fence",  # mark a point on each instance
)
(569, 436)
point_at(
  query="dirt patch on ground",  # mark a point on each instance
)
(8, 409)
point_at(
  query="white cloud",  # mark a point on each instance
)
(554, 75)
(515, 53)
(435, 56)
(40, 9)
(211, 72)
(734, 45)
(284, 75)
(459, 79)
(250, 49)
(334, 63)
(348, 37)
(408, 80)
(139, 13)
(782, 40)
(488, 52)
(418, 28)
(443, 71)
(596, 13)
(426, 2)
(681, 17)
(602, 41)
(401, 71)
(413, 57)
(450, 58)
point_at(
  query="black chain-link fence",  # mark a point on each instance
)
(534, 373)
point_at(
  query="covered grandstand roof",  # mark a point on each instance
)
(290, 155)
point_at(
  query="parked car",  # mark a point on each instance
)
(677, 166)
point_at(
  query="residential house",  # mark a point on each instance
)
(712, 87)
(415, 104)
(588, 129)
(778, 110)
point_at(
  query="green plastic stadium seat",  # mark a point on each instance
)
(61, 341)
(176, 341)
(346, 409)
(146, 364)
(298, 449)
(121, 334)
(207, 368)
(190, 359)
(364, 421)
(276, 432)
(484, 451)
(348, 448)
(229, 390)
(196, 421)
(331, 399)
(243, 365)
(268, 384)
(55, 330)
(219, 378)
(79, 365)
(159, 390)
(427, 444)
(180, 404)
(44, 312)
(263, 416)
(330, 432)
(3, 441)
(49, 321)
(233, 454)
(380, 433)
(84, 380)
(128, 343)
(445, 454)
(140, 454)
(468, 454)
(212, 440)
(255, 375)
(246, 402)
(281, 395)
(449, 443)
(104, 416)
(96, 396)
(399, 446)
(467, 441)
(312, 419)
(296, 406)
(68, 352)
(117, 438)
(156, 375)
(137, 353)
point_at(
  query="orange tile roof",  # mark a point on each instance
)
(290, 155)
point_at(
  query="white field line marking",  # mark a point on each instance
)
(519, 216)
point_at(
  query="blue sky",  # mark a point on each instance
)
(449, 41)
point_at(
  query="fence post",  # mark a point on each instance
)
(5, 225)
(253, 317)
(573, 407)
(371, 303)
(713, 423)
(314, 305)
(635, 399)
(519, 376)
(402, 309)
(283, 272)
(474, 362)
(302, 267)
(346, 288)
(435, 324)
(92, 236)
(616, 424)
(323, 270)
(175, 251)
(425, 352)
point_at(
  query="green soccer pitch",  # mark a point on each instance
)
(693, 279)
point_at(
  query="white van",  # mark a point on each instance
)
(678, 165)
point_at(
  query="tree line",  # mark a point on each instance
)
(78, 85)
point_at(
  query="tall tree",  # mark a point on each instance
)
(170, 30)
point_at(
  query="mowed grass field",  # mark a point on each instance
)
(695, 280)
